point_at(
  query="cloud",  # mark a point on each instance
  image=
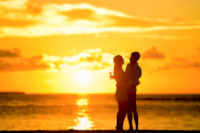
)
(15, 23)
(12, 53)
(157, 61)
(134, 22)
(25, 18)
(77, 14)
(13, 4)
(23, 65)
(118, 21)
(92, 55)
(185, 63)
(33, 9)
(18, 14)
(11, 60)
(196, 65)
(181, 63)
(153, 53)
(92, 59)
(18, 8)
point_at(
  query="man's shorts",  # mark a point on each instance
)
(132, 102)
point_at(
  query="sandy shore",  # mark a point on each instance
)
(104, 131)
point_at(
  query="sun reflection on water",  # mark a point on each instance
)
(83, 120)
(82, 102)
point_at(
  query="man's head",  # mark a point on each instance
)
(135, 56)
(118, 60)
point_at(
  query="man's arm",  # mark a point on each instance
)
(127, 71)
(139, 72)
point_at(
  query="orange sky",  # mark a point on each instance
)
(44, 43)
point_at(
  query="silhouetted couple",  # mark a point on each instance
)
(126, 89)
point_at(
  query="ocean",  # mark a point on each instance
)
(96, 112)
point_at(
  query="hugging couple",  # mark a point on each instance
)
(126, 89)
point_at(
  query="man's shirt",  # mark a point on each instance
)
(133, 73)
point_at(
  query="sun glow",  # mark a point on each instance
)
(83, 76)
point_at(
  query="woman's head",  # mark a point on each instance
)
(118, 60)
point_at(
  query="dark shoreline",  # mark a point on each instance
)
(21, 93)
(102, 131)
(141, 97)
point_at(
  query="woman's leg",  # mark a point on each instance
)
(136, 119)
(118, 125)
(121, 115)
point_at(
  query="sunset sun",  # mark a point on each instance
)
(83, 76)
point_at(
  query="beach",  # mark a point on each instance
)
(104, 131)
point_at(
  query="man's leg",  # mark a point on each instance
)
(133, 107)
(135, 111)
(130, 117)
(136, 119)
(130, 120)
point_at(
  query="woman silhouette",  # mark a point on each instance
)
(121, 90)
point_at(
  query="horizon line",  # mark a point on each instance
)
(61, 93)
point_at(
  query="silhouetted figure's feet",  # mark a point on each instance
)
(130, 129)
(119, 128)
(136, 129)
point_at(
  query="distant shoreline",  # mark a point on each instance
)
(139, 94)
(12, 93)
(148, 97)
(102, 131)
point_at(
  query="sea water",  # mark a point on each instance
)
(96, 112)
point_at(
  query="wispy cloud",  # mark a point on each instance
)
(13, 60)
(92, 59)
(8, 23)
(23, 64)
(153, 60)
(13, 4)
(80, 14)
(181, 63)
(22, 18)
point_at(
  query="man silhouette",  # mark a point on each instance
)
(133, 73)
